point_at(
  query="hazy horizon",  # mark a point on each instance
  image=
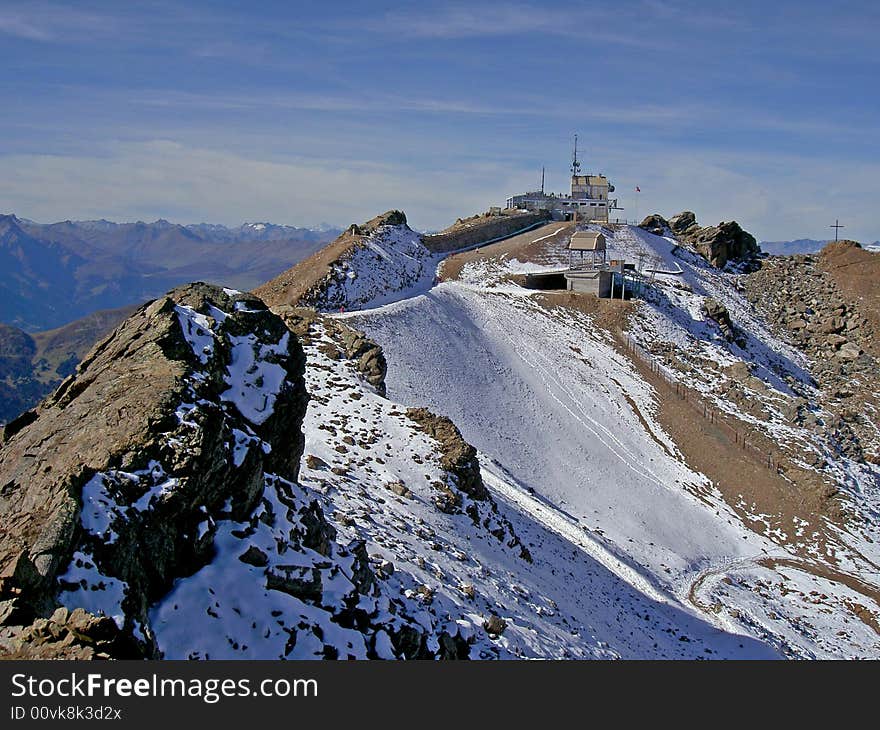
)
(299, 116)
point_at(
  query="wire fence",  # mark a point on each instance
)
(743, 438)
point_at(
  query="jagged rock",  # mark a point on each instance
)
(718, 313)
(495, 625)
(458, 457)
(388, 218)
(158, 433)
(398, 488)
(848, 352)
(69, 635)
(254, 556)
(835, 341)
(717, 244)
(315, 462)
(304, 583)
(655, 224)
(684, 223)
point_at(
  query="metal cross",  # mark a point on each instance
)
(836, 228)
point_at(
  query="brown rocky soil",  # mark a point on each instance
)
(827, 306)
(856, 273)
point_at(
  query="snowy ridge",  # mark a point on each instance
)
(388, 265)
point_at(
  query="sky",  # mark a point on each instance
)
(305, 113)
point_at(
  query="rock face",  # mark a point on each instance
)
(112, 486)
(719, 244)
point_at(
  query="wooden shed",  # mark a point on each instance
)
(587, 242)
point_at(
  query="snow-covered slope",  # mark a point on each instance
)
(375, 476)
(568, 429)
(389, 264)
(585, 530)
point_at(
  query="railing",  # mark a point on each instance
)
(742, 437)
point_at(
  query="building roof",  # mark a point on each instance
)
(587, 241)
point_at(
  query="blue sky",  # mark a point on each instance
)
(301, 113)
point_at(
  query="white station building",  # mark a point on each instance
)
(588, 200)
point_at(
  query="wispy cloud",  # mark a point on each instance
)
(18, 25)
(46, 22)
(467, 21)
(165, 179)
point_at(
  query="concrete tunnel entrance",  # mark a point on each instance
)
(546, 280)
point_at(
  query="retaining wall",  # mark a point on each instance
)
(479, 231)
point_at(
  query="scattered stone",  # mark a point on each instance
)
(254, 556)
(313, 462)
(494, 625)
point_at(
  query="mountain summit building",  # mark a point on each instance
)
(588, 200)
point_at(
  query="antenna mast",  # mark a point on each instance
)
(575, 165)
(542, 179)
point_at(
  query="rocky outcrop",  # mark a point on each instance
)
(388, 218)
(726, 242)
(457, 456)
(68, 635)
(464, 490)
(656, 224)
(718, 313)
(345, 342)
(113, 485)
(719, 244)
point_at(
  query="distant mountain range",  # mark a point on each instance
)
(803, 245)
(52, 274)
(32, 365)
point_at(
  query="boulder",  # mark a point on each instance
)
(849, 352)
(683, 223)
(655, 224)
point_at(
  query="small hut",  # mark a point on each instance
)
(587, 242)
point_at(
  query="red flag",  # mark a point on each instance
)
(638, 189)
